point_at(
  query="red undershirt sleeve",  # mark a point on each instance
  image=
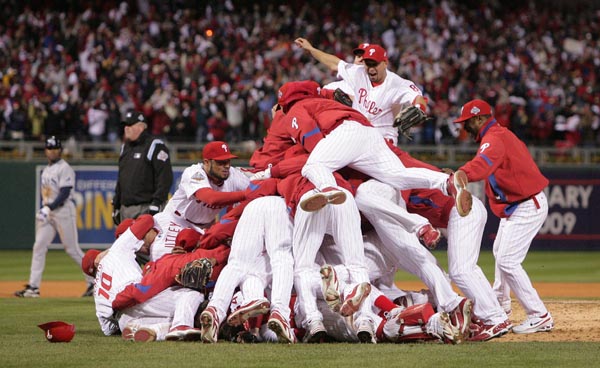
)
(215, 198)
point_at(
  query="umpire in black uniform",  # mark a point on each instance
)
(145, 172)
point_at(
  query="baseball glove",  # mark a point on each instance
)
(195, 274)
(408, 118)
(342, 97)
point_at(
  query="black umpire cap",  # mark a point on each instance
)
(133, 117)
(53, 143)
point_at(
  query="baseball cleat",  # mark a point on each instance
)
(316, 332)
(460, 317)
(184, 333)
(330, 287)
(28, 292)
(450, 334)
(483, 332)
(210, 325)
(251, 309)
(322, 198)
(544, 323)
(429, 236)
(366, 332)
(278, 324)
(353, 300)
(456, 186)
(89, 291)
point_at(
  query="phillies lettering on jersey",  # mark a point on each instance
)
(369, 106)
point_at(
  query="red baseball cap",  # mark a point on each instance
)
(58, 331)
(187, 239)
(217, 150)
(87, 263)
(360, 49)
(291, 92)
(376, 53)
(474, 108)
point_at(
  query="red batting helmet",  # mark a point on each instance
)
(58, 331)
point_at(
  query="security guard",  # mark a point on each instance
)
(145, 172)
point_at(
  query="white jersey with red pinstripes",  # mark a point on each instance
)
(116, 270)
(183, 203)
(380, 103)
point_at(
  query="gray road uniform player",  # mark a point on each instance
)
(57, 215)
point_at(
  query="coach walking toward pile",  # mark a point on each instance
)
(57, 216)
(145, 172)
(514, 186)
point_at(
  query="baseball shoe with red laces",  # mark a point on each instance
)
(535, 324)
(251, 309)
(184, 333)
(322, 198)
(460, 317)
(483, 332)
(429, 236)
(353, 300)
(280, 325)
(209, 320)
(330, 287)
(456, 186)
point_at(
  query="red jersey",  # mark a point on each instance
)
(503, 161)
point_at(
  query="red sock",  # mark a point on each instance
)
(382, 302)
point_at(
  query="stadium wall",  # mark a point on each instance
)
(573, 221)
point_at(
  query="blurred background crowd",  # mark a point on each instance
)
(204, 71)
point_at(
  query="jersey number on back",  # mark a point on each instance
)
(105, 285)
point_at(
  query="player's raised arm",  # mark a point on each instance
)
(331, 61)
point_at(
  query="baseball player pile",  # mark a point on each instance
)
(304, 246)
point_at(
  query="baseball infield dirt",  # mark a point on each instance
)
(574, 306)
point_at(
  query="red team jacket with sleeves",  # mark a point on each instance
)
(503, 161)
(311, 119)
(275, 144)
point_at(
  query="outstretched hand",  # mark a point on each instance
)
(303, 43)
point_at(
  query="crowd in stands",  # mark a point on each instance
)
(211, 72)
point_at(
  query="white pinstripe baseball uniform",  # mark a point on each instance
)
(342, 222)
(262, 248)
(190, 212)
(117, 269)
(409, 254)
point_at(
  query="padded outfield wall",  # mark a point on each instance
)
(573, 194)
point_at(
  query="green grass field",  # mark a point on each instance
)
(22, 343)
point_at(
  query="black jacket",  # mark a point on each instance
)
(145, 173)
